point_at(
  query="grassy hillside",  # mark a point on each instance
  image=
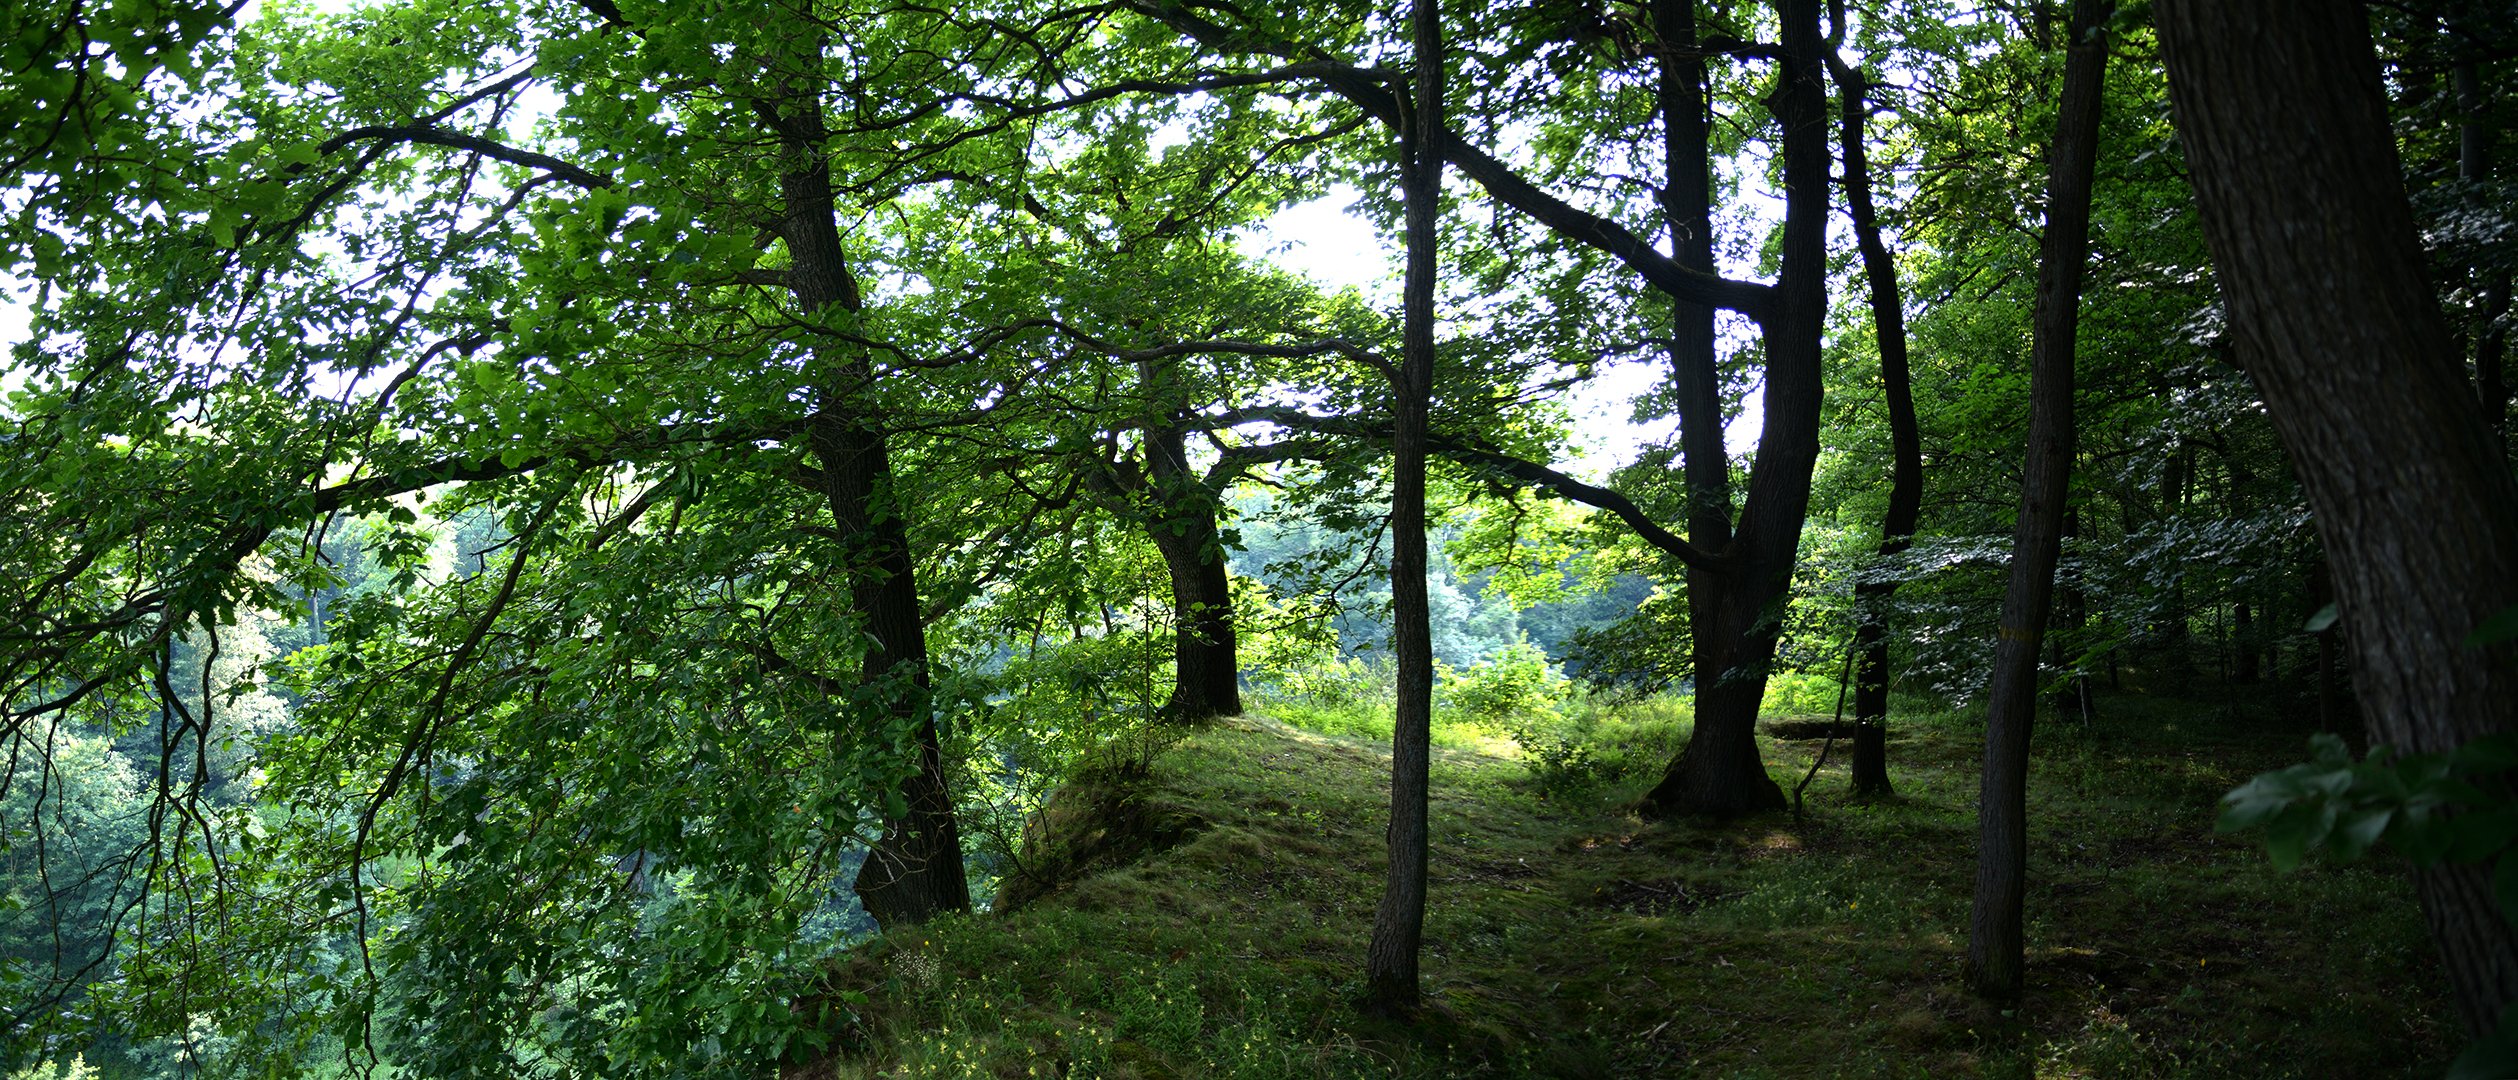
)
(1208, 913)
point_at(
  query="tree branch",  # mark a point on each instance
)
(1470, 454)
(437, 136)
(1370, 91)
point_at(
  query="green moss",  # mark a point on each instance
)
(1565, 937)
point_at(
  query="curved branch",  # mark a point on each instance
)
(1370, 91)
(1468, 453)
(436, 136)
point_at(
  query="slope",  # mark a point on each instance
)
(1206, 914)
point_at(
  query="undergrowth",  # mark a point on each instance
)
(1566, 937)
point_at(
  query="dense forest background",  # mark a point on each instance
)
(608, 538)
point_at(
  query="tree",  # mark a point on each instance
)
(2287, 134)
(1736, 623)
(1905, 502)
(1390, 965)
(1994, 942)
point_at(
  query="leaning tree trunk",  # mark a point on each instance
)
(1390, 960)
(1206, 672)
(1905, 504)
(1994, 941)
(2285, 129)
(1719, 772)
(914, 871)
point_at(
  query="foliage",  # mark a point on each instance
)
(433, 639)
(2451, 807)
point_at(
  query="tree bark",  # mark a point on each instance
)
(1390, 962)
(1905, 504)
(1687, 211)
(2279, 108)
(1995, 945)
(914, 871)
(1206, 672)
(1737, 613)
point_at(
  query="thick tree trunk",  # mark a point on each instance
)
(914, 871)
(1740, 610)
(2279, 108)
(1905, 504)
(1390, 960)
(1687, 212)
(1206, 672)
(1995, 945)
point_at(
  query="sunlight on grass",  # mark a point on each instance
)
(1566, 937)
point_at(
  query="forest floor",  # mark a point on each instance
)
(1209, 913)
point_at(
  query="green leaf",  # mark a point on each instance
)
(2291, 836)
(2499, 628)
(2359, 830)
(2492, 1057)
(2489, 754)
(2478, 836)
(2323, 620)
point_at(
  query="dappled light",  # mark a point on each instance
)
(817, 539)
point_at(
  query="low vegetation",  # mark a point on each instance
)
(1198, 910)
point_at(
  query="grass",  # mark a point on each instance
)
(1210, 912)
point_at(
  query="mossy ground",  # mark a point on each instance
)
(1566, 937)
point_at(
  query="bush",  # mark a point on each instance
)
(1799, 693)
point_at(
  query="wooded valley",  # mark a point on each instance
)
(847, 538)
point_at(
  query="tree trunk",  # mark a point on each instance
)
(1737, 613)
(1390, 961)
(2279, 108)
(1206, 673)
(2244, 671)
(2174, 623)
(1905, 504)
(1995, 945)
(1687, 211)
(914, 871)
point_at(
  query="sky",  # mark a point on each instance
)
(1321, 240)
